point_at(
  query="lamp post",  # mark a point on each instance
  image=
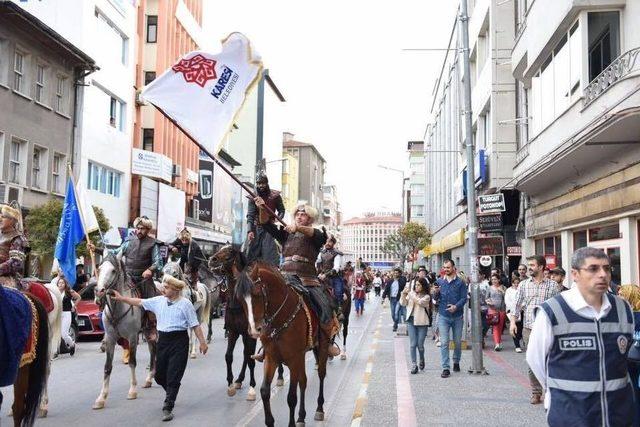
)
(402, 193)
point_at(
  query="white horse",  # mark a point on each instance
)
(200, 298)
(55, 335)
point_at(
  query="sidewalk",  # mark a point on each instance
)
(395, 397)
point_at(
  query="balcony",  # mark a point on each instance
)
(625, 66)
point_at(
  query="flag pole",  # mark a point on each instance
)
(219, 163)
(84, 223)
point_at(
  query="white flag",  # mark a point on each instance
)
(86, 209)
(203, 92)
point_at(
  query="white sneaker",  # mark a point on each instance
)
(438, 343)
(518, 350)
(498, 347)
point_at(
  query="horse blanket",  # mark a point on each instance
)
(15, 309)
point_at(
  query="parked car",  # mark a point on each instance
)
(89, 318)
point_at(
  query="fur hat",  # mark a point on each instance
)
(144, 222)
(308, 209)
(13, 213)
(173, 282)
(185, 234)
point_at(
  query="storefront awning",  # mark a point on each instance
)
(450, 241)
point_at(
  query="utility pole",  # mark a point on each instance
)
(472, 233)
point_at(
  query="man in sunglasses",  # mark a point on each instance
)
(578, 348)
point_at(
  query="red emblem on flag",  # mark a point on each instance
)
(197, 69)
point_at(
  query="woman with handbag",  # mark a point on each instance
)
(631, 293)
(417, 302)
(497, 312)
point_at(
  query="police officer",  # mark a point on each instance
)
(578, 348)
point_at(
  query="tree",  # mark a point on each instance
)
(42, 224)
(407, 240)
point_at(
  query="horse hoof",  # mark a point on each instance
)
(193, 355)
(231, 391)
(343, 356)
(147, 384)
(279, 382)
(319, 416)
(251, 395)
(43, 413)
(238, 386)
(132, 395)
(299, 424)
(98, 405)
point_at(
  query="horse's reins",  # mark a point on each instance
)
(268, 320)
(115, 320)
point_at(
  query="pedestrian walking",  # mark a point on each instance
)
(510, 296)
(578, 348)
(175, 316)
(631, 294)
(377, 284)
(496, 309)
(417, 301)
(558, 275)
(452, 294)
(359, 294)
(531, 293)
(395, 285)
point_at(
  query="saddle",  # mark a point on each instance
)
(40, 292)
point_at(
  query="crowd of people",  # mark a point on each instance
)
(581, 333)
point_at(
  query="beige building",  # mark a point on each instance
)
(578, 158)
(311, 170)
(289, 183)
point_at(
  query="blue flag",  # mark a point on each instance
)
(70, 234)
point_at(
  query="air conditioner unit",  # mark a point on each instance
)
(10, 194)
(139, 100)
(195, 209)
(177, 170)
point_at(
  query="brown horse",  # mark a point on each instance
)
(281, 317)
(30, 383)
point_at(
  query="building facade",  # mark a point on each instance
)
(578, 160)
(416, 183)
(105, 30)
(311, 170)
(331, 211)
(290, 180)
(491, 33)
(364, 236)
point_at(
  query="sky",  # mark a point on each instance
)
(350, 88)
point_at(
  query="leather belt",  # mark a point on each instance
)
(297, 258)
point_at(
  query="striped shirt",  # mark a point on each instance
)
(178, 315)
(530, 295)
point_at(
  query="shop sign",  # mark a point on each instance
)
(490, 223)
(552, 261)
(490, 203)
(491, 246)
(514, 250)
(153, 165)
(486, 260)
(480, 168)
(192, 176)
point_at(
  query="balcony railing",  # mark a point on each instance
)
(624, 65)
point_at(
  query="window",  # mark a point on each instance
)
(522, 115)
(113, 104)
(579, 239)
(40, 83)
(285, 166)
(103, 179)
(149, 76)
(15, 160)
(117, 110)
(605, 232)
(60, 94)
(554, 87)
(550, 246)
(604, 41)
(152, 29)
(417, 210)
(57, 172)
(147, 139)
(112, 41)
(18, 71)
(417, 189)
(38, 168)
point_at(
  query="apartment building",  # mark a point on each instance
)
(578, 160)
(491, 34)
(364, 236)
(311, 169)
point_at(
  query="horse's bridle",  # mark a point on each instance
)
(119, 271)
(268, 320)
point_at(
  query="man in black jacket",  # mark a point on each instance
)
(393, 290)
(191, 255)
(261, 245)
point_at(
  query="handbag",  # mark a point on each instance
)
(493, 317)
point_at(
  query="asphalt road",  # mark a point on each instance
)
(75, 383)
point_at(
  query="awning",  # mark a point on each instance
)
(450, 241)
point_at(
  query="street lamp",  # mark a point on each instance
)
(403, 180)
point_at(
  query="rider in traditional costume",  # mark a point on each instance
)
(329, 265)
(14, 307)
(262, 245)
(191, 256)
(301, 244)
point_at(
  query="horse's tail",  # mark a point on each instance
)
(207, 306)
(55, 326)
(37, 368)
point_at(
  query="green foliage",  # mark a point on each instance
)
(42, 224)
(407, 240)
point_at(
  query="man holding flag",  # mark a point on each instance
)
(70, 233)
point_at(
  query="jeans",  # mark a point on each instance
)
(417, 335)
(394, 311)
(450, 326)
(359, 304)
(402, 313)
